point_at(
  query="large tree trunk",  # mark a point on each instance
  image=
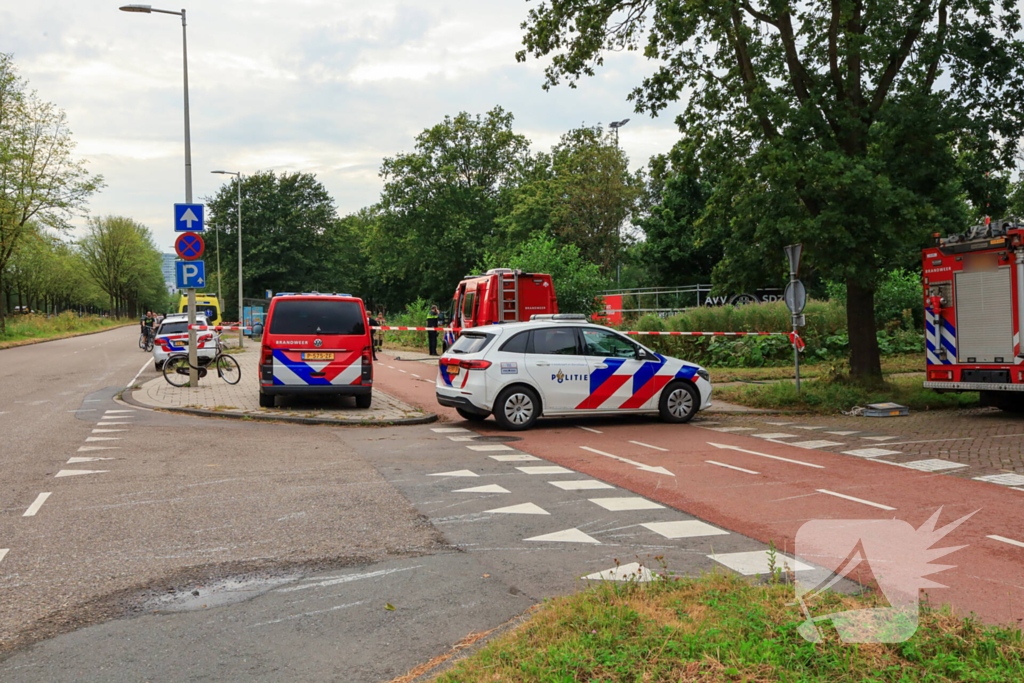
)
(865, 362)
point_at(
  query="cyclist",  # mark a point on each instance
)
(149, 325)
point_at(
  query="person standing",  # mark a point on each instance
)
(373, 336)
(432, 320)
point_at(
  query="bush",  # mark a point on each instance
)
(899, 291)
(415, 315)
(825, 335)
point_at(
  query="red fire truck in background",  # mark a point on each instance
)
(501, 295)
(974, 309)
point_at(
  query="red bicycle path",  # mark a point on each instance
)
(985, 577)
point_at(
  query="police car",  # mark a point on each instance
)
(562, 365)
(172, 337)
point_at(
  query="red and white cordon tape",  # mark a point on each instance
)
(219, 328)
(794, 338)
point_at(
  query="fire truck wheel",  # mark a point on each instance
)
(517, 408)
(266, 400)
(679, 402)
(472, 417)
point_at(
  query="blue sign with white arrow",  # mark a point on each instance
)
(188, 218)
(190, 274)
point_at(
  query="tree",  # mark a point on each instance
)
(674, 252)
(581, 194)
(436, 216)
(578, 281)
(121, 258)
(288, 224)
(41, 183)
(844, 125)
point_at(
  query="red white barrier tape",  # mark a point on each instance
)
(794, 338)
(217, 327)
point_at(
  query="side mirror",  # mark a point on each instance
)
(257, 330)
(641, 354)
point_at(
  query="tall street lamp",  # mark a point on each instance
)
(193, 374)
(615, 125)
(241, 317)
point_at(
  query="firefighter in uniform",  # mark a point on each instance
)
(432, 320)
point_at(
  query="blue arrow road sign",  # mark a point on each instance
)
(188, 217)
(190, 274)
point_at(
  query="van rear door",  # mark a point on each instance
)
(317, 342)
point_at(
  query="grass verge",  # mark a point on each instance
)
(908, 362)
(28, 328)
(825, 397)
(724, 628)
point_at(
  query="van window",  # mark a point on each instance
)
(471, 342)
(209, 311)
(317, 317)
(556, 340)
(467, 305)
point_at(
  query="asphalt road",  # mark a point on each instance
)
(227, 550)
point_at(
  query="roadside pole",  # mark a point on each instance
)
(796, 300)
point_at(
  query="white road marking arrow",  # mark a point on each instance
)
(765, 455)
(188, 218)
(634, 463)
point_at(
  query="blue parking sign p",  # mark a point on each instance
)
(190, 274)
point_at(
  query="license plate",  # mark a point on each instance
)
(453, 370)
(318, 356)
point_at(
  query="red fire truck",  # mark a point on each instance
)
(974, 309)
(501, 295)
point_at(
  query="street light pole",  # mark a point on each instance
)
(193, 359)
(241, 316)
(615, 125)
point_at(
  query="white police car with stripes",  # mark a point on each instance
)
(557, 365)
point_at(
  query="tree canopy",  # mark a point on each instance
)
(853, 126)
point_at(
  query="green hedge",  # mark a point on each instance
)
(825, 334)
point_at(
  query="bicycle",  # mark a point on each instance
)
(176, 368)
(146, 339)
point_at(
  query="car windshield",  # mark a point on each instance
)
(471, 342)
(314, 317)
(174, 328)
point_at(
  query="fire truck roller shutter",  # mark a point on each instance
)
(984, 320)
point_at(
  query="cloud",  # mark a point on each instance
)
(330, 87)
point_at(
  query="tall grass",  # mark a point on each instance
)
(35, 326)
(824, 334)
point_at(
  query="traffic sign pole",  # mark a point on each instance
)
(796, 299)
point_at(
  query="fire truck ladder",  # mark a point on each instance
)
(509, 289)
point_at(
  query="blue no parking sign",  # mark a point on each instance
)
(190, 274)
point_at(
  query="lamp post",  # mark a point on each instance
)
(193, 361)
(615, 125)
(241, 322)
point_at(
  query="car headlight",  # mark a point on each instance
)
(704, 374)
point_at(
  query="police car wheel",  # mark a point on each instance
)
(517, 408)
(472, 417)
(679, 402)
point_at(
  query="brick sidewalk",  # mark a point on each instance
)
(977, 442)
(213, 394)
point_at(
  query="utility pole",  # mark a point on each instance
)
(615, 125)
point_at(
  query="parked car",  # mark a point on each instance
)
(563, 365)
(316, 344)
(172, 337)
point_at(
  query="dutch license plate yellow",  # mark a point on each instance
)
(453, 370)
(317, 356)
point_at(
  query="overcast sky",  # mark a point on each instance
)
(329, 87)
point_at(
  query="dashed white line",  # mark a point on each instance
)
(731, 467)
(107, 431)
(36, 504)
(765, 455)
(414, 374)
(588, 429)
(647, 445)
(83, 410)
(855, 500)
(1001, 539)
